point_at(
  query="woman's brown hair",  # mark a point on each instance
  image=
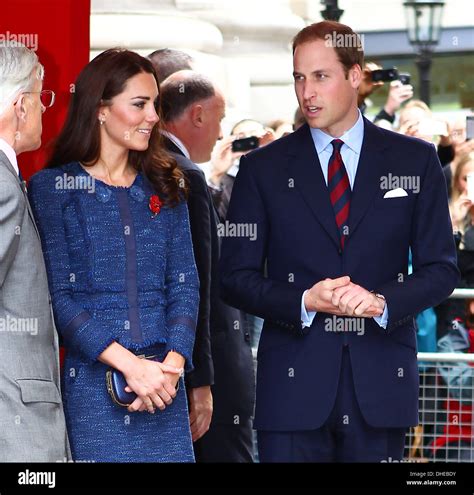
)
(79, 140)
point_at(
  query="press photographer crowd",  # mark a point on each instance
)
(152, 255)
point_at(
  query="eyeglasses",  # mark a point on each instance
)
(47, 97)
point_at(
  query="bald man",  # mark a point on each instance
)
(193, 109)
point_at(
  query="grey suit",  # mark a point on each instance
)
(32, 426)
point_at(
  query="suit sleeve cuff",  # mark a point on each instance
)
(306, 317)
(382, 320)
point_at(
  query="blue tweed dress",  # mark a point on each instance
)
(116, 273)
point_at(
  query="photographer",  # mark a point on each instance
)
(373, 77)
(225, 160)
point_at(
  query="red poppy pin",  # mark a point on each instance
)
(155, 204)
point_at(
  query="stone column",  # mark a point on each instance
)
(257, 53)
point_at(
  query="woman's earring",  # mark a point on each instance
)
(101, 121)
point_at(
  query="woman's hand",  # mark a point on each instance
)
(154, 384)
(175, 360)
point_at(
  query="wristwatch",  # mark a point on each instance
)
(376, 294)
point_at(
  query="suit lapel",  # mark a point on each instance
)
(172, 148)
(9, 167)
(4, 159)
(372, 165)
(304, 167)
(30, 211)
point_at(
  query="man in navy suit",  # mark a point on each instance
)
(193, 109)
(336, 207)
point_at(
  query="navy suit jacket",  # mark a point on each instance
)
(281, 189)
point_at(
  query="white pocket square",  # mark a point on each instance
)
(395, 193)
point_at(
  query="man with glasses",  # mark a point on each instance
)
(31, 414)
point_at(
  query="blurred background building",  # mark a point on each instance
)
(246, 45)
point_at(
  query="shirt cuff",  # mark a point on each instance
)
(382, 320)
(306, 318)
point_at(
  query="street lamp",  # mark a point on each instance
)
(332, 12)
(423, 29)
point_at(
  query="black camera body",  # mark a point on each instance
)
(245, 144)
(384, 75)
(387, 75)
(404, 77)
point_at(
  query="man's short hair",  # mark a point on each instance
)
(167, 61)
(178, 94)
(342, 38)
(17, 71)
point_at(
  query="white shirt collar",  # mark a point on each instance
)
(352, 138)
(177, 142)
(10, 153)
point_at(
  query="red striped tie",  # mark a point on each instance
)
(339, 189)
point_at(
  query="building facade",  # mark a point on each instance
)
(246, 45)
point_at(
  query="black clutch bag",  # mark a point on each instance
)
(116, 384)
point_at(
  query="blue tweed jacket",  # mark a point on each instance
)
(116, 271)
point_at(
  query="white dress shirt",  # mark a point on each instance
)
(350, 152)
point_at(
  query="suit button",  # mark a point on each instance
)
(339, 251)
(247, 337)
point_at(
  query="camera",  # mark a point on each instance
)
(387, 75)
(404, 77)
(245, 144)
(384, 75)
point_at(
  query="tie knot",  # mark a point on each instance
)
(336, 144)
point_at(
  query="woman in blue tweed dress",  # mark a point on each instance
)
(123, 281)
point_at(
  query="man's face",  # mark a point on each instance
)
(213, 111)
(326, 97)
(30, 125)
